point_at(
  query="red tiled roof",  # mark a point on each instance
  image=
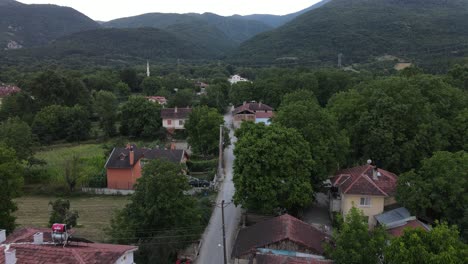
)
(275, 230)
(6, 90)
(253, 107)
(171, 113)
(360, 180)
(278, 259)
(398, 231)
(2, 254)
(79, 253)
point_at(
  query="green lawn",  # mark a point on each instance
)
(95, 213)
(55, 156)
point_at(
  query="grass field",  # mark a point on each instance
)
(95, 213)
(55, 156)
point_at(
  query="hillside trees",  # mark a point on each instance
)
(160, 218)
(11, 181)
(272, 169)
(328, 145)
(20, 105)
(438, 188)
(17, 135)
(106, 106)
(354, 243)
(202, 129)
(140, 118)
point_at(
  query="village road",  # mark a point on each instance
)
(211, 250)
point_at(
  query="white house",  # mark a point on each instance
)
(175, 118)
(237, 78)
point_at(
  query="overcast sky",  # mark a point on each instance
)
(105, 10)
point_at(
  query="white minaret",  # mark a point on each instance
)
(147, 69)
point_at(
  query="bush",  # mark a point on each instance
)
(98, 181)
(62, 214)
(202, 165)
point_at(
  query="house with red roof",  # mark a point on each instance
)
(36, 246)
(366, 187)
(157, 99)
(175, 118)
(6, 90)
(277, 238)
(124, 165)
(253, 111)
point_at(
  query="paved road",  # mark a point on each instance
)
(210, 252)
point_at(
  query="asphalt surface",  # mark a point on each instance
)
(211, 251)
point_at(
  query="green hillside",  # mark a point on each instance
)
(363, 30)
(32, 25)
(105, 46)
(236, 30)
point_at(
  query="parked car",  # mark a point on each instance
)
(195, 182)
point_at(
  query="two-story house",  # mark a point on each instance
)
(175, 118)
(366, 187)
(236, 78)
(255, 112)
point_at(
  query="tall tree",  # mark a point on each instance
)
(328, 145)
(272, 170)
(140, 118)
(160, 218)
(62, 214)
(353, 243)
(151, 85)
(20, 105)
(202, 129)
(438, 188)
(440, 245)
(106, 106)
(182, 98)
(129, 76)
(11, 181)
(17, 135)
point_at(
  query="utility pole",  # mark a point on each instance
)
(224, 233)
(340, 55)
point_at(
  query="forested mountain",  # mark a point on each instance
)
(276, 21)
(24, 25)
(236, 29)
(104, 46)
(363, 30)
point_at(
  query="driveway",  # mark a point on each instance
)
(317, 213)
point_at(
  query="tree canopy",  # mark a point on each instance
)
(272, 169)
(106, 106)
(140, 118)
(17, 135)
(202, 129)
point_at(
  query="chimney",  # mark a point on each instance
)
(10, 256)
(132, 156)
(260, 104)
(38, 238)
(375, 173)
(175, 109)
(245, 102)
(2, 235)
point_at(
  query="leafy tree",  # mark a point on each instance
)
(328, 145)
(129, 76)
(106, 106)
(60, 122)
(182, 98)
(202, 129)
(21, 105)
(51, 88)
(72, 172)
(11, 181)
(160, 218)
(241, 92)
(353, 243)
(103, 80)
(62, 214)
(122, 90)
(151, 85)
(438, 188)
(329, 82)
(140, 118)
(272, 169)
(217, 96)
(440, 245)
(17, 135)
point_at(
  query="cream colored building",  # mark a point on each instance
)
(365, 187)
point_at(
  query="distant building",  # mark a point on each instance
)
(157, 99)
(237, 78)
(6, 90)
(36, 246)
(366, 187)
(175, 118)
(255, 112)
(124, 165)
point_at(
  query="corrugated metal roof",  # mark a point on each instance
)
(392, 216)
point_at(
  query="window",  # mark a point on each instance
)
(169, 122)
(365, 202)
(181, 122)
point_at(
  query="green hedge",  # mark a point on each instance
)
(202, 165)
